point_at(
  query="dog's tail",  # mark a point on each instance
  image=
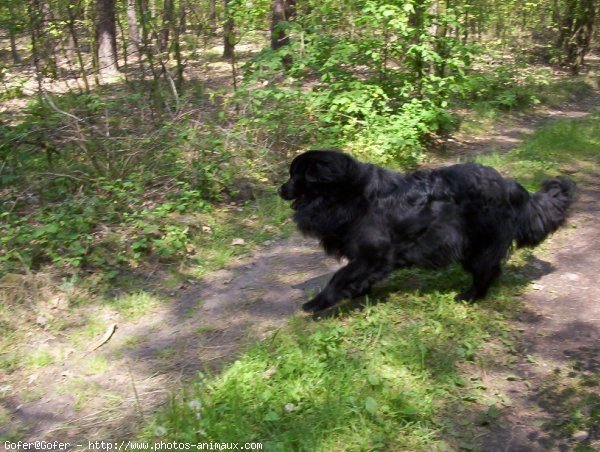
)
(543, 212)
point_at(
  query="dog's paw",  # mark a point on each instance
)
(316, 304)
(312, 306)
(468, 295)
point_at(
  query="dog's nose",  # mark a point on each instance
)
(279, 191)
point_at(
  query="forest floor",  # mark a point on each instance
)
(106, 392)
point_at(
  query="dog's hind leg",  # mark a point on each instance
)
(484, 274)
(351, 281)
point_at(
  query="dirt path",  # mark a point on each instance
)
(204, 327)
(560, 344)
(559, 349)
(211, 320)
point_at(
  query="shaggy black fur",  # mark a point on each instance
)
(380, 220)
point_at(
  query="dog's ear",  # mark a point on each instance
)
(331, 169)
(316, 173)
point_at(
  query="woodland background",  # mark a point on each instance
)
(141, 144)
(109, 117)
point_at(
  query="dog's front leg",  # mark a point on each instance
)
(350, 281)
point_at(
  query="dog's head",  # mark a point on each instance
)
(320, 172)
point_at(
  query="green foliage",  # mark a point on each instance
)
(506, 87)
(68, 235)
(77, 197)
(385, 110)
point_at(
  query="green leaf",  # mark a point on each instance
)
(271, 416)
(52, 228)
(373, 379)
(371, 405)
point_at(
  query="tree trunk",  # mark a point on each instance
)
(228, 34)
(76, 48)
(106, 37)
(12, 30)
(168, 9)
(35, 28)
(13, 46)
(133, 29)
(213, 18)
(42, 42)
(178, 29)
(584, 29)
(576, 33)
(281, 11)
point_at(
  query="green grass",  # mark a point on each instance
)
(135, 305)
(399, 374)
(483, 115)
(574, 400)
(255, 222)
(568, 146)
(96, 365)
(38, 359)
(377, 378)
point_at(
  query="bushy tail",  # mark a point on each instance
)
(545, 211)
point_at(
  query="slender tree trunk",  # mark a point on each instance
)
(281, 11)
(13, 47)
(555, 13)
(178, 29)
(566, 24)
(417, 21)
(13, 37)
(146, 50)
(465, 34)
(35, 26)
(43, 48)
(106, 37)
(167, 23)
(124, 46)
(75, 41)
(576, 32)
(441, 44)
(584, 30)
(133, 30)
(213, 19)
(228, 34)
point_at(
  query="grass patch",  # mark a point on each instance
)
(483, 115)
(39, 358)
(571, 146)
(574, 401)
(8, 362)
(92, 327)
(563, 91)
(379, 378)
(254, 222)
(96, 365)
(134, 305)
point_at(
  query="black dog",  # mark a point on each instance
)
(380, 220)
